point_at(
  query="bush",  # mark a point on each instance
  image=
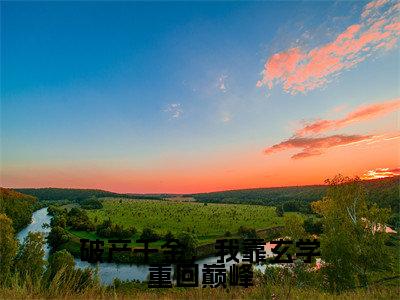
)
(169, 236)
(247, 232)
(57, 237)
(58, 220)
(92, 203)
(149, 234)
(312, 225)
(108, 229)
(79, 220)
(189, 242)
(60, 260)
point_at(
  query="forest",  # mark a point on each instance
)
(19, 207)
(384, 192)
(77, 195)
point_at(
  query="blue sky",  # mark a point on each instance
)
(154, 88)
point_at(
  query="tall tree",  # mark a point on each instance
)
(30, 258)
(60, 261)
(8, 248)
(353, 239)
(189, 242)
(294, 230)
(57, 237)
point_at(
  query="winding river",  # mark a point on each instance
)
(107, 271)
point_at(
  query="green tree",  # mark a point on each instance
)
(279, 211)
(8, 247)
(294, 227)
(78, 219)
(60, 260)
(57, 237)
(149, 234)
(17, 206)
(313, 226)
(247, 232)
(64, 279)
(189, 242)
(30, 258)
(293, 230)
(169, 236)
(353, 242)
(59, 220)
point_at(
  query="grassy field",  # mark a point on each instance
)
(205, 220)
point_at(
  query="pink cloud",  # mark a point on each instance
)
(360, 114)
(299, 70)
(311, 146)
(371, 6)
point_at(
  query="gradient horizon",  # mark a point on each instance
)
(143, 97)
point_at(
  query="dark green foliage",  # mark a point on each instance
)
(53, 210)
(17, 206)
(62, 276)
(57, 237)
(279, 211)
(149, 234)
(8, 248)
(385, 192)
(169, 236)
(107, 229)
(189, 242)
(247, 232)
(79, 220)
(394, 220)
(292, 205)
(92, 203)
(313, 225)
(59, 220)
(29, 261)
(58, 260)
(265, 196)
(79, 195)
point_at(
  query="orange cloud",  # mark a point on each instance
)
(360, 114)
(312, 146)
(300, 71)
(381, 173)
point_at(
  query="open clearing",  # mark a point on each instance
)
(205, 220)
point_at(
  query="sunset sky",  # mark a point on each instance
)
(194, 97)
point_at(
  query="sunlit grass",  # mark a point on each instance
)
(207, 221)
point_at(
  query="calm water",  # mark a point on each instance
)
(108, 271)
(39, 218)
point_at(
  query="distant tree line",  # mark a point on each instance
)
(79, 195)
(384, 192)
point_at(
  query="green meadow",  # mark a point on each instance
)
(207, 221)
